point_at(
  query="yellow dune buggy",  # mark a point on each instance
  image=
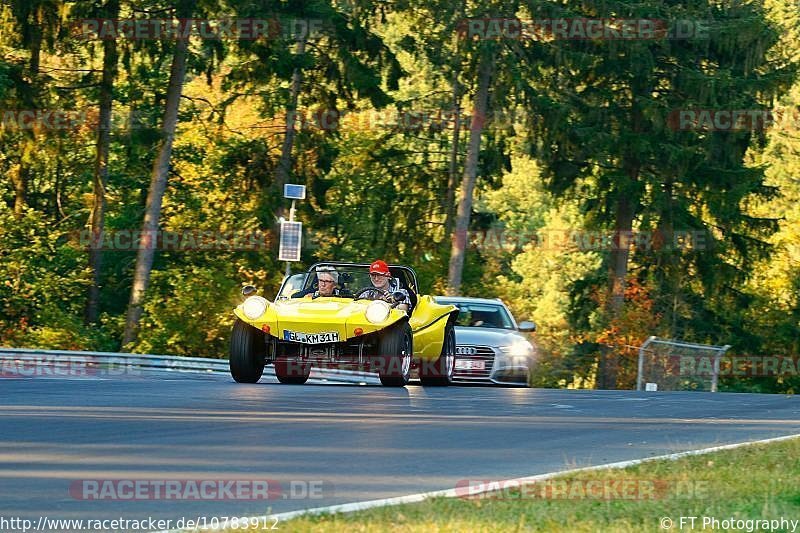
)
(344, 331)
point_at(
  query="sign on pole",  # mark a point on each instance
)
(294, 192)
(291, 241)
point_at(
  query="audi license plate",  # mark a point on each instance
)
(311, 338)
(469, 364)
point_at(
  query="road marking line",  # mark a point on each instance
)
(452, 493)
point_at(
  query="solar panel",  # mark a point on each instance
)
(291, 241)
(294, 192)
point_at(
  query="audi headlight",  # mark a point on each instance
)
(254, 307)
(519, 348)
(377, 311)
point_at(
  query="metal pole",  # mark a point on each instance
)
(640, 369)
(717, 356)
(291, 219)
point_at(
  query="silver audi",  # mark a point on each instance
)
(490, 347)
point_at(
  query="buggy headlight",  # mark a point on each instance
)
(254, 307)
(377, 311)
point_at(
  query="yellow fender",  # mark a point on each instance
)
(428, 324)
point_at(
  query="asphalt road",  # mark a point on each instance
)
(344, 443)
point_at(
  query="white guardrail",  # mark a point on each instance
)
(31, 357)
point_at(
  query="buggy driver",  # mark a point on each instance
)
(382, 280)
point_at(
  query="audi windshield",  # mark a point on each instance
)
(481, 315)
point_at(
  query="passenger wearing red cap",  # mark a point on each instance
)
(382, 279)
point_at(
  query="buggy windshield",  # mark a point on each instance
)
(349, 278)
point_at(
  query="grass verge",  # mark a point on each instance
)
(760, 482)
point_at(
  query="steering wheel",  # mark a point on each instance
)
(343, 293)
(385, 295)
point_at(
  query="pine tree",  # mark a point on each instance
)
(608, 128)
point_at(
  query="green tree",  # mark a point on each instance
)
(603, 131)
(100, 176)
(337, 60)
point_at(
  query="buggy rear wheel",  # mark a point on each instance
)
(439, 373)
(292, 372)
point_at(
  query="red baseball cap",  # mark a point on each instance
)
(379, 267)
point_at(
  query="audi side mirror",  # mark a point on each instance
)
(526, 325)
(248, 290)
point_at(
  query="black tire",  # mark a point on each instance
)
(291, 372)
(247, 353)
(395, 350)
(439, 373)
